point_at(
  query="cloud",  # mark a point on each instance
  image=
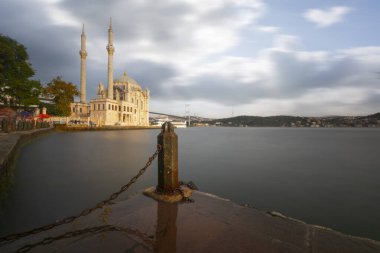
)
(302, 82)
(268, 29)
(325, 18)
(285, 42)
(166, 30)
(152, 75)
(183, 52)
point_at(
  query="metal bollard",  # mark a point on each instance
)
(168, 188)
(167, 159)
(6, 125)
(13, 125)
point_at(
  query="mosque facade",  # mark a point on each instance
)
(123, 102)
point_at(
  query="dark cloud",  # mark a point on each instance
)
(151, 75)
(216, 89)
(132, 20)
(293, 77)
(373, 101)
(51, 52)
(290, 78)
(53, 49)
(172, 39)
(21, 18)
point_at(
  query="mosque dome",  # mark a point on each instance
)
(125, 79)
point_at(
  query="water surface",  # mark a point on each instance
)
(328, 177)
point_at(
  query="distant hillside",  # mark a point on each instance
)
(295, 121)
(257, 121)
(374, 116)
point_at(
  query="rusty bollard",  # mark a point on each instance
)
(168, 188)
(167, 159)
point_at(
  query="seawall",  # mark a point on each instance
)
(104, 128)
(10, 142)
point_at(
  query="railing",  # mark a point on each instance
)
(8, 125)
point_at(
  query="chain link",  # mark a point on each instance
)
(85, 212)
(190, 185)
(93, 230)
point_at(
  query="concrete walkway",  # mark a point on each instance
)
(209, 224)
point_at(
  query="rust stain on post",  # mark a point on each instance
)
(168, 188)
(168, 159)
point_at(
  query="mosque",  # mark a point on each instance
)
(122, 103)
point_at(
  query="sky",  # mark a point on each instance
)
(221, 57)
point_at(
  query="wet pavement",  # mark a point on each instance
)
(209, 224)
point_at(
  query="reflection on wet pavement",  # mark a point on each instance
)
(209, 224)
(166, 230)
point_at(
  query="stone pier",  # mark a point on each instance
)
(209, 224)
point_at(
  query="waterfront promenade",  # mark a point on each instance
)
(9, 143)
(73, 128)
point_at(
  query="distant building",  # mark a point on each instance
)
(201, 124)
(123, 103)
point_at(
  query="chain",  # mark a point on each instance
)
(85, 212)
(93, 230)
(190, 185)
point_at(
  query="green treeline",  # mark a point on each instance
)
(19, 91)
(295, 121)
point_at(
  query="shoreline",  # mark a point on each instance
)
(105, 128)
(10, 144)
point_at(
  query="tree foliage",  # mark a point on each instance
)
(62, 93)
(15, 74)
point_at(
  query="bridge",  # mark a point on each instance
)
(169, 115)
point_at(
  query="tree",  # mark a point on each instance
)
(15, 73)
(62, 93)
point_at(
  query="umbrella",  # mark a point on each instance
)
(44, 116)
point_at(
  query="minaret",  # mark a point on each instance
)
(83, 55)
(110, 50)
